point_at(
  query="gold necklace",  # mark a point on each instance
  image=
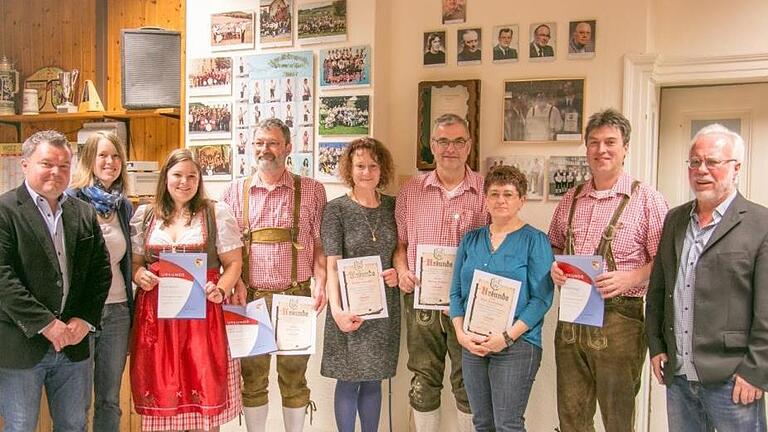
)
(372, 229)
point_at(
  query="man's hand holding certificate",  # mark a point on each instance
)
(580, 301)
(434, 269)
(362, 287)
(181, 291)
(492, 303)
(294, 319)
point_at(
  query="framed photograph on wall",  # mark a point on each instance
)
(328, 156)
(506, 39)
(210, 76)
(543, 110)
(232, 30)
(469, 46)
(215, 160)
(345, 67)
(532, 166)
(275, 20)
(344, 115)
(322, 22)
(434, 48)
(454, 11)
(209, 120)
(543, 41)
(565, 172)
(581, 42)
(435, 98)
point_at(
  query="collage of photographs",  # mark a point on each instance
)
(230, 94)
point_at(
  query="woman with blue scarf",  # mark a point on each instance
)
(99, 179)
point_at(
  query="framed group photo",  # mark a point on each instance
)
(345, 67)
(566, 172)
(275, 20)
(232, 30)
(322, 22)
(435, 98)
(344, 115)
(211, 76)
(543, 110)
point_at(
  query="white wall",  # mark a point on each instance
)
(394, 28)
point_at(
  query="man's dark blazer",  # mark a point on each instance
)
(547, 51)
(730, 300)
(499, 54)
(31, 282)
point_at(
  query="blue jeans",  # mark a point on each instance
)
(499, 384)
(67, 385)
(110, 349)
(696, 407)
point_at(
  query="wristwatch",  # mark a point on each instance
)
(508, 339)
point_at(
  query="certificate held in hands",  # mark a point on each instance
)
(492, 304)
(295, 322)
(249, 331)
(181, 292)
(580, 302)
(434, 268)
(362, 287)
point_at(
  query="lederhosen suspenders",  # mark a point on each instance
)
(604, 247)
(271, 235)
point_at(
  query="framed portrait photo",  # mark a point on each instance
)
(469, 46)
(454, 11)
(506, 40)
(232, 31)
(434, 48)
(581, 39)
(543, 110)
(543, 41)
(461, 97)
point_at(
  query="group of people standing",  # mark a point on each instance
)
(62, 258)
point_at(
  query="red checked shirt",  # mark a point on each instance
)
(270, 264)
(426, 215)
(637, 232)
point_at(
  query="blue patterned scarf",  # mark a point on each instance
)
(104, 201)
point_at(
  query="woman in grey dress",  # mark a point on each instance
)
(360, 353)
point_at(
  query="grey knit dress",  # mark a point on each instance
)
(369, 353)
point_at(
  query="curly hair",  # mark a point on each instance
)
(506, 175)
(378, 152)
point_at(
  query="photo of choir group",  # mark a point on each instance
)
(345, 67)
(232, 30)
(275, 20)
(322, 22)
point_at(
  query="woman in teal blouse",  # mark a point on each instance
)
(499, 370)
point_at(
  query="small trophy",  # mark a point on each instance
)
(68, 81)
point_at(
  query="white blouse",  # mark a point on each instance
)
(227, 233)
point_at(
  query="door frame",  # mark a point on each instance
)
(644, 76)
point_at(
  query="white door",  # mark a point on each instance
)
(684, 110)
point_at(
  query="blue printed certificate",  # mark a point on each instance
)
(249, 330)
(580, 302)
(181, 293)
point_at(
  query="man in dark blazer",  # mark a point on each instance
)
(54, 279)
(539, 46)
(707, 303)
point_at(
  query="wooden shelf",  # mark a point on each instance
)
(120, 115)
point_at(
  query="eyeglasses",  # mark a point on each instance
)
(695, 163)
(262, 144)
(459, 143)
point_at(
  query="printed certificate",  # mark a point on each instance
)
(181, 292)
(434, 268)
(249, 330)
(362, 287)
(580, 302)
(295, 322)
(492, 303)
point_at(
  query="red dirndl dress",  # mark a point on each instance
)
(181, 373)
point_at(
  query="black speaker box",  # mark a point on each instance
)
(151, 66)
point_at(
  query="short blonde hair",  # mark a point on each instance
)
(83, 176)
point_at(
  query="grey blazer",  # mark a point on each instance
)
(730, 328)
(31, 282)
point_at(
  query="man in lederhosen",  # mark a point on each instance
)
(620, 219)
(279, 214)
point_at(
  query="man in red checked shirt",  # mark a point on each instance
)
(280, 213)
(437, 208)
(620, 219)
